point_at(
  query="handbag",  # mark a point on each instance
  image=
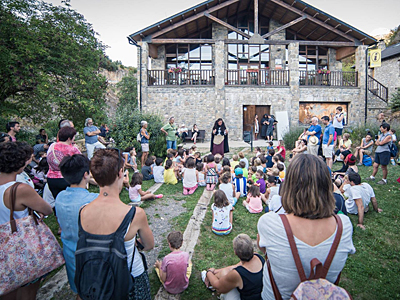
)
(28, 250)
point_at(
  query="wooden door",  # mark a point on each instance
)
(249, 112)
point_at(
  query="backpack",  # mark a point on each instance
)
(367, 160)
(139, 137)
(393, 150)
(315, 286)
(101, 263)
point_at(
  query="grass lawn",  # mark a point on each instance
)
(373, 272)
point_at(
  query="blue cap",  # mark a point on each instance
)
(238, 171)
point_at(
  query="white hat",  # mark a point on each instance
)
(313, 140)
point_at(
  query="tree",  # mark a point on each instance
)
(128, 91)
(50, 58)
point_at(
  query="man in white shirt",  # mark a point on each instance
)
(359, 196)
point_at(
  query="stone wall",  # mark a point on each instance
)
(278, 52)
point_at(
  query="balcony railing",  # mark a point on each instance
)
(257, 77)
(329, 78)
(186, 77)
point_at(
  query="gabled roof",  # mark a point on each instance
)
(305, 29)
(391, 51)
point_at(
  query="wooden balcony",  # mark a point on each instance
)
(257, 77)
(186, 77)
(329, 78)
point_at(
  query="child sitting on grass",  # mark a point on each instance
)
(229, 190)
(235, 161)
(169, 174)
(257, 164)
(260, 176)
(242, 165)
(175, 270)
(270, 146)
(200, 171)
(281, 169)
(135, 190)
(273, 189)
(240, 182)
(222, 214)
(252, 175)
(190, 177)
(147, 171)
(253, 202)
(243, 158)
(211, 177)
(158, 171)
(197, 156)
(270, 163)
(218, 159)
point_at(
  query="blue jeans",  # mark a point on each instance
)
(171, 144)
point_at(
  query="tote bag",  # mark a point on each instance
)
(28, 250)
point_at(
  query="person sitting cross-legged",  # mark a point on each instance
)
(359, 196)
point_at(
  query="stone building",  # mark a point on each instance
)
(235, 58)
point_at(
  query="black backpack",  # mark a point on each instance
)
(102, 271)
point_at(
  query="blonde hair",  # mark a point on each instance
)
(235, 157)
(257, 162)
(346, 135)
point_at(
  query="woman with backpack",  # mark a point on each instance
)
(107, 223)
(307, 233)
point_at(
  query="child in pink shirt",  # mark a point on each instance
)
(253, 202)
(175, 269)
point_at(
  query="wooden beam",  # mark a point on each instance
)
(153, 51)
(318, 27)
(182, 41)
(302, 27)
(301, 42)
(194, 17)
(345, 52)
(313, 19)
(256, 16)
(284, 26)
(237, 30)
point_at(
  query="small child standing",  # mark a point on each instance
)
(240, 182)
(190, 177)
(212, 177)
(135, 190)
(169, 173)
(200, 171)
(253, 202)
(158, 171)
(229, 190)
(222, 214)
(175, 270)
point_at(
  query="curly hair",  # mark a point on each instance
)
(13, 156)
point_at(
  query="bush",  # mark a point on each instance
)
(126, 126)
(291, 137)
(358, 132)
(395, 101)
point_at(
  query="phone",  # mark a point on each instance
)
(376, 136)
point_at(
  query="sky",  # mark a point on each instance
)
(114, 20)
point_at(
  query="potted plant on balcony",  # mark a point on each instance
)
(173, 73)
(324, 77)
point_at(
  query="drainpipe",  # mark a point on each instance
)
(366, 81)
(133, 42)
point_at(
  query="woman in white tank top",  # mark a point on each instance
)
(14, 156)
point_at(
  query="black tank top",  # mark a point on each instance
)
(252, 282)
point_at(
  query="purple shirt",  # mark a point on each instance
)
(175, 266)
(262, 184)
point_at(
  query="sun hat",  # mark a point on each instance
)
(313, 140)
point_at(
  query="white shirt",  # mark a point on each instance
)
(228, 190)
(158, 172)
(276, 204)
(363, 191)
(221, 217)
(274, 238)
(336, 123)
(189, 177)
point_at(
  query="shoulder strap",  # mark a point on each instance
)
(334, 247)
(275, 289)
(13, 193)
(126, 221)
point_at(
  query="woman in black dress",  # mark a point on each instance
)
(264, 126)
(219, 138)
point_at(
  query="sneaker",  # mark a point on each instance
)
(382, 182)
(359, 164)
(370, 178)
(159, 196)
(203, 277)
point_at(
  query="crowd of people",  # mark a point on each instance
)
(297, 199)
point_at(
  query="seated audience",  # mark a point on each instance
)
(222, 214)
(253, 203)
(158, 171)
(200, 172)
(135, 190)
(190, 177)
(147, 170)
(240, 182)
(243, 158)
(366, 147)
(169, 174)
(227, 187)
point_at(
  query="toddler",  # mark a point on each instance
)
(169, 174)
(229, 190)
(175, 270)
(222, 214)
(243, 158)
(211, 177)
(240, 182)
(135, 190)
(158, 171)
(190, 177)
(40, 172)
(200, 171)
(253, 202)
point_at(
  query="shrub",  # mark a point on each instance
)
(291, 137)
(395, 101)
(126, 126)
(358, 132)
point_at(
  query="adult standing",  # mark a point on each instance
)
(313, 135)
(308, 201)
(170, 132)
(270, 130)
(219, 138)
(55, 154)
(107, 169)
(382, 153)
(327, 141)
(12, 129)
(338, 123)
(91, 140)
(13, 159)
(264, 126)
(42, 137)
(256, 126)
(144, 141)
